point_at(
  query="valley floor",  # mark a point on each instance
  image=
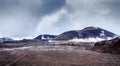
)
(55, 56)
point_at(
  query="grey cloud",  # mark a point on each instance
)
(115, 8)
(83, 13)
(49, 6)
(19, 18)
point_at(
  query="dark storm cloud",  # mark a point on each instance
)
(38, 7)
(49, 6)
(115, 7)
(19, 18)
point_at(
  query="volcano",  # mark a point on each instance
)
(87, 33)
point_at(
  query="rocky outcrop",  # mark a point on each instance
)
(110, 46)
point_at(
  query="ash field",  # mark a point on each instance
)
(56, 53)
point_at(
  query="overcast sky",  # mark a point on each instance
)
(30, 18)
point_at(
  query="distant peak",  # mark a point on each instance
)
(90, 28)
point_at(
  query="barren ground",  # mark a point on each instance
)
(56, 55)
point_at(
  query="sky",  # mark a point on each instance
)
(30, 18)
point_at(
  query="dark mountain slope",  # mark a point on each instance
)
(88, 32)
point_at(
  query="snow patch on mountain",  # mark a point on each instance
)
(102, 34)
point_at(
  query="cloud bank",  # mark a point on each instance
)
(29, 18)
(19, 18)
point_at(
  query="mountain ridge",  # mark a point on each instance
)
(88, 32)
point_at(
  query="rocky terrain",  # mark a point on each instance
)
(57, 53)
(109, 46)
